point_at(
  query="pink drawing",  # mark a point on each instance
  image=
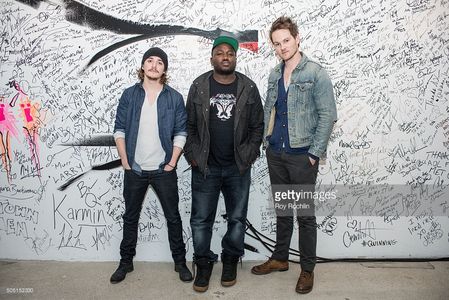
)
(7, 120)
(27, 111)
(7, 128)
(2, 113)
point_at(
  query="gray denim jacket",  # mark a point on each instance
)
(311, 106)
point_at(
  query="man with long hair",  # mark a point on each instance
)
(150, 133)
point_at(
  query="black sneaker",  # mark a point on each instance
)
(203, 273)
(121, 271)
(229, 272)
(184, 272)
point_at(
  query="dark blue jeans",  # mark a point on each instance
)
(165, 185)
(205, 194)
(294, 169)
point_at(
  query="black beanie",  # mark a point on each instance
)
(155, 51)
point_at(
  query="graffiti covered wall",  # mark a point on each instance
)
(64, 65)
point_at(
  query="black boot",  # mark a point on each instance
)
(184, 272)
(121, 271)
(204, 270)
(229, 272)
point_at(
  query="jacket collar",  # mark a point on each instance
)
(140, 84)
(202, 84)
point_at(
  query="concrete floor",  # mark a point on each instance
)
(155, 280)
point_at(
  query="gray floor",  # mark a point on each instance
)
(150, 280)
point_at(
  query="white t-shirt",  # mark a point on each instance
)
(149, 152)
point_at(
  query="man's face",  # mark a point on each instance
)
(153, 68)
(285, 45)
(223, 59)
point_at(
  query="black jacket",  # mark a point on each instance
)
(248, 123)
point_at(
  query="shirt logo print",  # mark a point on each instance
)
(224, 104)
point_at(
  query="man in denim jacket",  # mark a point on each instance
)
(299, 115)
(150, 133)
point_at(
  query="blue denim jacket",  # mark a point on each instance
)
(311, 106)
(171, 114)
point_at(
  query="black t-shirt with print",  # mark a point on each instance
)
(223, 98)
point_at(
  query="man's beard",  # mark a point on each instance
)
(225, 71)
(291, 56)
(152, 78)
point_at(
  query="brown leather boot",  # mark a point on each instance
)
(305, 282)
(269, 266)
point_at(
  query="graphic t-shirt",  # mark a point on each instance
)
(223, 98)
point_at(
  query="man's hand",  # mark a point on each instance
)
(125, 165)
(169, 167)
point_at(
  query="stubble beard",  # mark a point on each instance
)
(224, 71)
(151, 78)
(291, 56)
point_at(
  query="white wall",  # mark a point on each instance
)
(389, 65)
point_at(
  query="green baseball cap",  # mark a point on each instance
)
(224, 39)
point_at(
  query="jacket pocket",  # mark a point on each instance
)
(191, 152)
(303, 92)
(247, 154)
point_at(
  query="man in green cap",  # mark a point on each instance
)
(224, 134)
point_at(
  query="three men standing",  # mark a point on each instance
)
(225, 127)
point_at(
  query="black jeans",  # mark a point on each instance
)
(165, 185)
(205, 195)
(294, 169)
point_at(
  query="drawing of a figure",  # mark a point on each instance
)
(31, 123)
(7, 128)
